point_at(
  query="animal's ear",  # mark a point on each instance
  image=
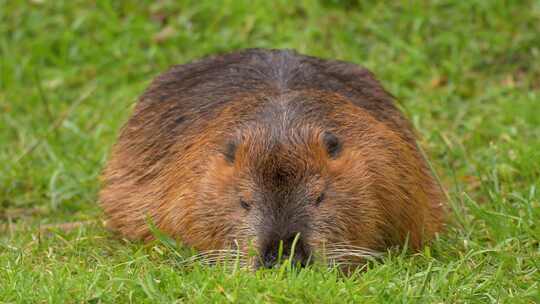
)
(229, 150)
(332, 144)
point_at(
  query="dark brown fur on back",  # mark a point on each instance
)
(245, 146)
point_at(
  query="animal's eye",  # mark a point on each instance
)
(332, 143)
(319, 199)
(230, 151)
(245, 204)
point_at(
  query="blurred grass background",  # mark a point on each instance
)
(467, 74)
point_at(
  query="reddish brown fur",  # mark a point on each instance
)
(273, 107)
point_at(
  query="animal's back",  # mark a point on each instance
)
(201, 89)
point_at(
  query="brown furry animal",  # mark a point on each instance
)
(261, 146)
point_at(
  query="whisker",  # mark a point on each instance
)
(216, 254)
(348, 246)
(213, 257)
(220, 258)
(351, 249)
(341, 247)
(347, 258)
(225, 263)
(354, 252)
(219, 253)
(221, 250)
(343, 243)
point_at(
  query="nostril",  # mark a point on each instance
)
(270, 258)
(291, 241)
(301, 258)
(277, 252)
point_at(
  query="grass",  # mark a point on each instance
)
(465, 72)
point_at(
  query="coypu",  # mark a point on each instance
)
(259, 147)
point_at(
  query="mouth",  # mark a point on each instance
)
(295, 260)
(292, 250)
(344, 256)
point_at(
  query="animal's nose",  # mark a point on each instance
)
(278, 251)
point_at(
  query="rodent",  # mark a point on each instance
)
(270, 148)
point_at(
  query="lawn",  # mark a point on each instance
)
(467, 73)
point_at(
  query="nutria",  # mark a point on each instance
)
(266, 148)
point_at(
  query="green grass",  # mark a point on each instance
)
(467, 73)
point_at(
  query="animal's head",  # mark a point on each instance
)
(290, 188)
